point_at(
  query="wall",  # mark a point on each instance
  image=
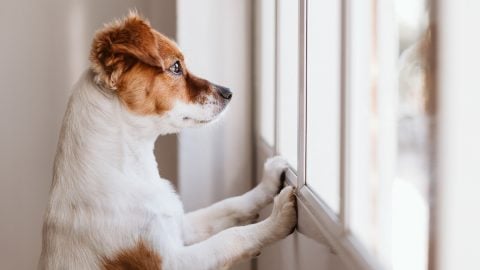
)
(216, 162)
(456, 218)
(43, 50)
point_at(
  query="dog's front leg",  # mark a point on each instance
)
(239, 243)
(240, 210)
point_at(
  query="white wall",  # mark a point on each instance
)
(43, 49)
(216, 162)
(458, 176)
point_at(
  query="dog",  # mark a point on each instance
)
(108, 206)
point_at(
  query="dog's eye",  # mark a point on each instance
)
(176, 68)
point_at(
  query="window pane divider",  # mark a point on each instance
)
(344, 119)
(275, 85)
(302, 95)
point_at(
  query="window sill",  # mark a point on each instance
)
(318, 222)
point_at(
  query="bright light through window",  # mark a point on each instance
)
(287, 78)
(410, 189)
(323, 101)
(265, 73)
(389, 133)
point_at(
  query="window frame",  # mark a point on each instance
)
(315, 218)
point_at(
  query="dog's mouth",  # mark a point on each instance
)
(197, 121)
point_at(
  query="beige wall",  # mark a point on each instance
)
(457, 183)
(216, 162)
(43, 50)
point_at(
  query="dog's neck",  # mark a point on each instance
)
(99, 134)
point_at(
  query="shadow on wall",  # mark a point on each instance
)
(44, 50)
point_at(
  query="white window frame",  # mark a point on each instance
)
(315, 218)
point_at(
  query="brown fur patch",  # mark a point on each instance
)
(140, 257)
(147, 91)
(133, 59)
(116, 46)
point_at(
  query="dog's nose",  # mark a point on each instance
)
(224, 92)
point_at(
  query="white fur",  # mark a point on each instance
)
(107, 194)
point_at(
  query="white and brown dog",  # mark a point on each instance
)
(108, 207)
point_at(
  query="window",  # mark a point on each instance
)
(352, 113)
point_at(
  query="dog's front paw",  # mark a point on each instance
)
(272, 171)
(284, 213)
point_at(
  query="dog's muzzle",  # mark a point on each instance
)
(224, 92)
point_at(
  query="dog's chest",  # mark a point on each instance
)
(145, 210)
(159, 199)
(162, 213)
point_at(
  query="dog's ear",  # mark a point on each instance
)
(119, 45)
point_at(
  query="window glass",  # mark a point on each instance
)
(362, 123)
(323, 100)
(410, 187)
(390, 116)
(265, 75)
(287, 78)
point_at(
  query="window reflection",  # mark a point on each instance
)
(410, 189)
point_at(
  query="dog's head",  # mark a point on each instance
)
(148, 73)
